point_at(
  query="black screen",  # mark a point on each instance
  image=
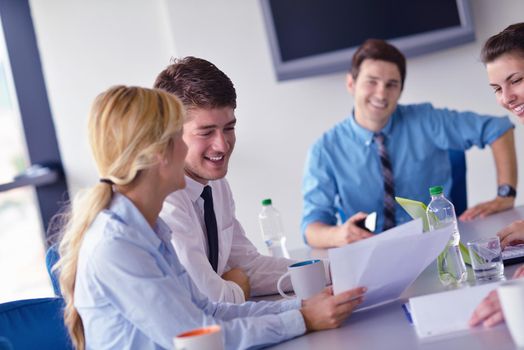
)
(309, 27)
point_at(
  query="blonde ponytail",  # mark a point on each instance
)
(85, 208)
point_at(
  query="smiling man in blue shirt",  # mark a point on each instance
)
(348, 172)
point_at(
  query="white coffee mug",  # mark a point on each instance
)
(307, 278)
(511, 296)
(200, 339)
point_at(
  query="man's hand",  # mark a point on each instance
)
(321, 235)
(349, 232)
(239, 277)
(512, 234)
(325, 310)
(487, 208)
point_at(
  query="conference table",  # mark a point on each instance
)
(387, 327)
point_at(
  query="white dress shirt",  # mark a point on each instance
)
(132, 292)
(182, 212)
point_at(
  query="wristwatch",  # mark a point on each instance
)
(506, 190)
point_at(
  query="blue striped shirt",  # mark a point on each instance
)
(343, 173)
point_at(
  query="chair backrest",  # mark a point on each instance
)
(458, 194)
(34, 324)
(51, 258)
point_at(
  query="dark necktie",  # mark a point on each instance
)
(389, 186)
(211, 226)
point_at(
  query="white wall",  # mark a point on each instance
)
(87, 46)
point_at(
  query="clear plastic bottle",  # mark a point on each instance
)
(272, 230)
(450, 263)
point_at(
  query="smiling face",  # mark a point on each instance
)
(505, 75)
(210, 137)
(376, 90)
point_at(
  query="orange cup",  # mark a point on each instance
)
(200, 339)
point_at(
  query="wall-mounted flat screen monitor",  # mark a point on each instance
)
(312, 37)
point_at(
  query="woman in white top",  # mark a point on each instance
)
(503, 55)
(123, 284)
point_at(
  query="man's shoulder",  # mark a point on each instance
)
(414, 109)
(414, 114)
(334, 135)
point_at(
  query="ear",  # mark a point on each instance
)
(162, 160)
(350, 84)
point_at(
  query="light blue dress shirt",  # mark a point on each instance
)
(132, 292)
(343, 173)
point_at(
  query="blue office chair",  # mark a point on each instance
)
(51, 258)
(34, 324)
(458, 194)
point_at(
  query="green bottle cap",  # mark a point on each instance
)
(266, 201)
(435, 190)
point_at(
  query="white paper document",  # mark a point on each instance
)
(446, 312)
(387, 263)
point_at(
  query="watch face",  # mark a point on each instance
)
(506, 191)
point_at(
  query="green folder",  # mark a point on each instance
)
(416, 210)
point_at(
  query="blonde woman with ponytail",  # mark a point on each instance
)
(122, 282)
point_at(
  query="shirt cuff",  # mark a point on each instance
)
(293, 323)
(287, 305)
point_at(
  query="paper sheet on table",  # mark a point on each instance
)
(447, 312)
(386, 263)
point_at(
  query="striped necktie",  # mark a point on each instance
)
(389, 185)
(211, 226)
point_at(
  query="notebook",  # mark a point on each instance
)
(446, 312)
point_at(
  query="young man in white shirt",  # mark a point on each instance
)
(239, 271)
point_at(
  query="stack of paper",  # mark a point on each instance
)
(446, 312)
(387, 263)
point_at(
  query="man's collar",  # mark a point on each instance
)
(365, 135)
(194, 188)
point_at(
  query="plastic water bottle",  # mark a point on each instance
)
(441, 213)
(272, 230)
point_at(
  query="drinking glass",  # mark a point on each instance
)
(486, 259)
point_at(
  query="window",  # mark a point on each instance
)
(27, 138)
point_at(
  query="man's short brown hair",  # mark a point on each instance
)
(197, 83)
